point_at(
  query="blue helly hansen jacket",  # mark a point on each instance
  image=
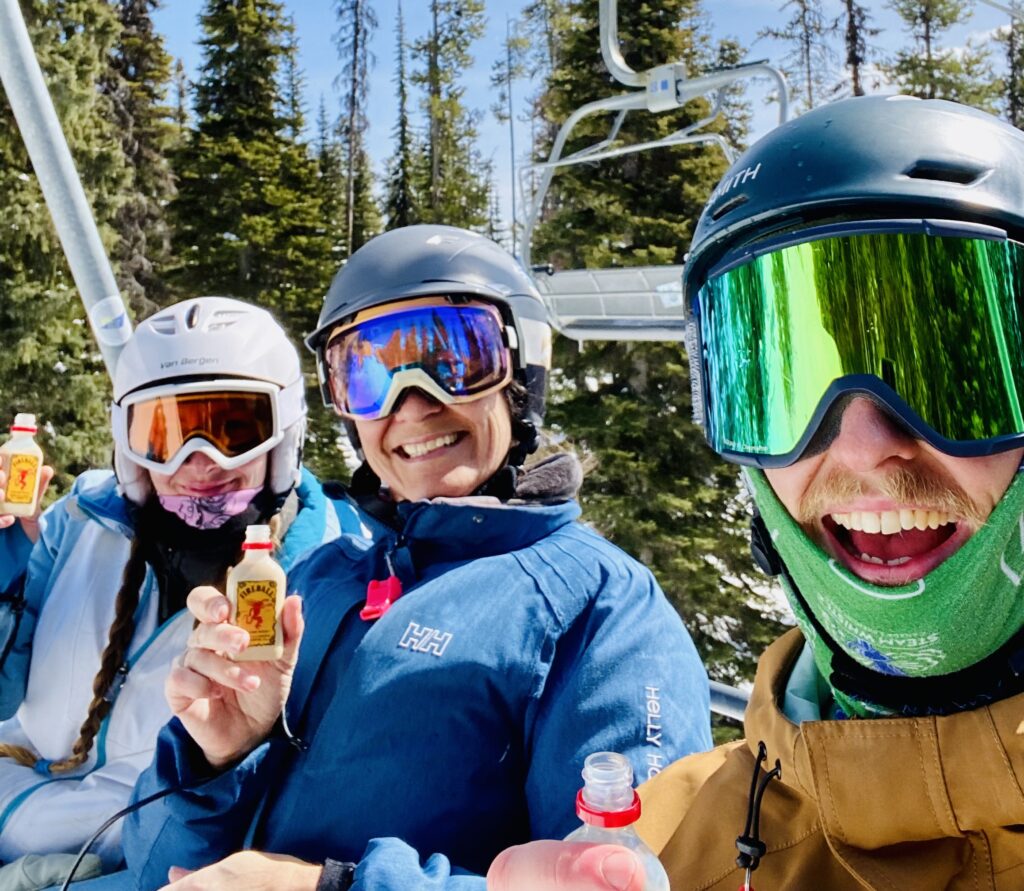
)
(457, 723)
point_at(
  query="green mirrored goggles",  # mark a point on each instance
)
(927, 321)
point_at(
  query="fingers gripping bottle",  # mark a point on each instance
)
(21, 459)
(256, 589)
(609, 806)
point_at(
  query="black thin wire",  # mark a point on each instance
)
(110, 821)
(293, 740)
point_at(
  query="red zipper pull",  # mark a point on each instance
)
(380, 594)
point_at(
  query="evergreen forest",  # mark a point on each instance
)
(226, 182)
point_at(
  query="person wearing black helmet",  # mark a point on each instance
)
(453, 676)
(856, 293)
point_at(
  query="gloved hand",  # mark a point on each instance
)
(33, 872)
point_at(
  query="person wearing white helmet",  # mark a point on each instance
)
(208, 420)
(453, 675)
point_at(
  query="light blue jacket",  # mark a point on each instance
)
(456, 724)
(70, 579)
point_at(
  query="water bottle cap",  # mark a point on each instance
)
(257, 538)
(608, 819)
(24, 423)
(607, 793)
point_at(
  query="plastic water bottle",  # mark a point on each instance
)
(609, 806)
(21, 459)
(255, 588)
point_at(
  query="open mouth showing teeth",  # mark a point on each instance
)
(893, 537)
(420, 449)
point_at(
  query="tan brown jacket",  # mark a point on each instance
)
(893, 804)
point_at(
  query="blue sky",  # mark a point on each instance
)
(315, 24)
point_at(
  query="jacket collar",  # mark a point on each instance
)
(479, 526)
(97, 496)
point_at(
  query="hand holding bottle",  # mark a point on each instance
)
(23, 477)
(29, 524)
(566, 866)
(604, 854)
(230, 707)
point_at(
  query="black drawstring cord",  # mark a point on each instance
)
(749, 844)
(282, 723)
(110, 822)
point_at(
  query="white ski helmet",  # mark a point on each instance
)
(202, 344)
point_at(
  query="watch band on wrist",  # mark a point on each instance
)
(336, 876)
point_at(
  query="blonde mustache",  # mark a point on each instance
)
(902, 486)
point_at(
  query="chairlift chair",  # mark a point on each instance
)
(640, 302)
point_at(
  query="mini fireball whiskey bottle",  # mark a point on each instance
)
(256, 589)
(21, 459)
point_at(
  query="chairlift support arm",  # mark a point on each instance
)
(51, 159)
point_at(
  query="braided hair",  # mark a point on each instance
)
(114, 657)
(111, 662)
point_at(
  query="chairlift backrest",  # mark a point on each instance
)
(602, 304)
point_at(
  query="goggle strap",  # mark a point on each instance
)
(691, 341)
(290, 403)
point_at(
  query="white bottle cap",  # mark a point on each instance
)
(25, 421)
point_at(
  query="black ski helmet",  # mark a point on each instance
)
(859, 159)
(428, 260)
(865, 158)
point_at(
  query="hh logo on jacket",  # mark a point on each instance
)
(420, 639)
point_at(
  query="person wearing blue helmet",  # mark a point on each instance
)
(855, 291)
(453, 676)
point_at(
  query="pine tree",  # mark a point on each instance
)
(325, 440)
(249, 216)
(657, 490)
(736, 110)
(357, 22)
(181, 93)
(930, 72)
(141, 71)
(541, 24)
(452, 180)
(49, 363)
(401, 199)
(505, 71)
(1012, 39)
(808, 65)
(364, 214)
(857, 34)
(331, 186)
(292, 86)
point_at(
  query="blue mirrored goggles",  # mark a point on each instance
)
(454, 353)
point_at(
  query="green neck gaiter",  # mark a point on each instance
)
(958, 614)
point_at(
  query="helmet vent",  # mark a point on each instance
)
(946, 172)
(731, 204)
(164, 325)
(192, 318)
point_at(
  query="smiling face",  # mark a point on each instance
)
(888, 506)
(425, 449)
(201, 477)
